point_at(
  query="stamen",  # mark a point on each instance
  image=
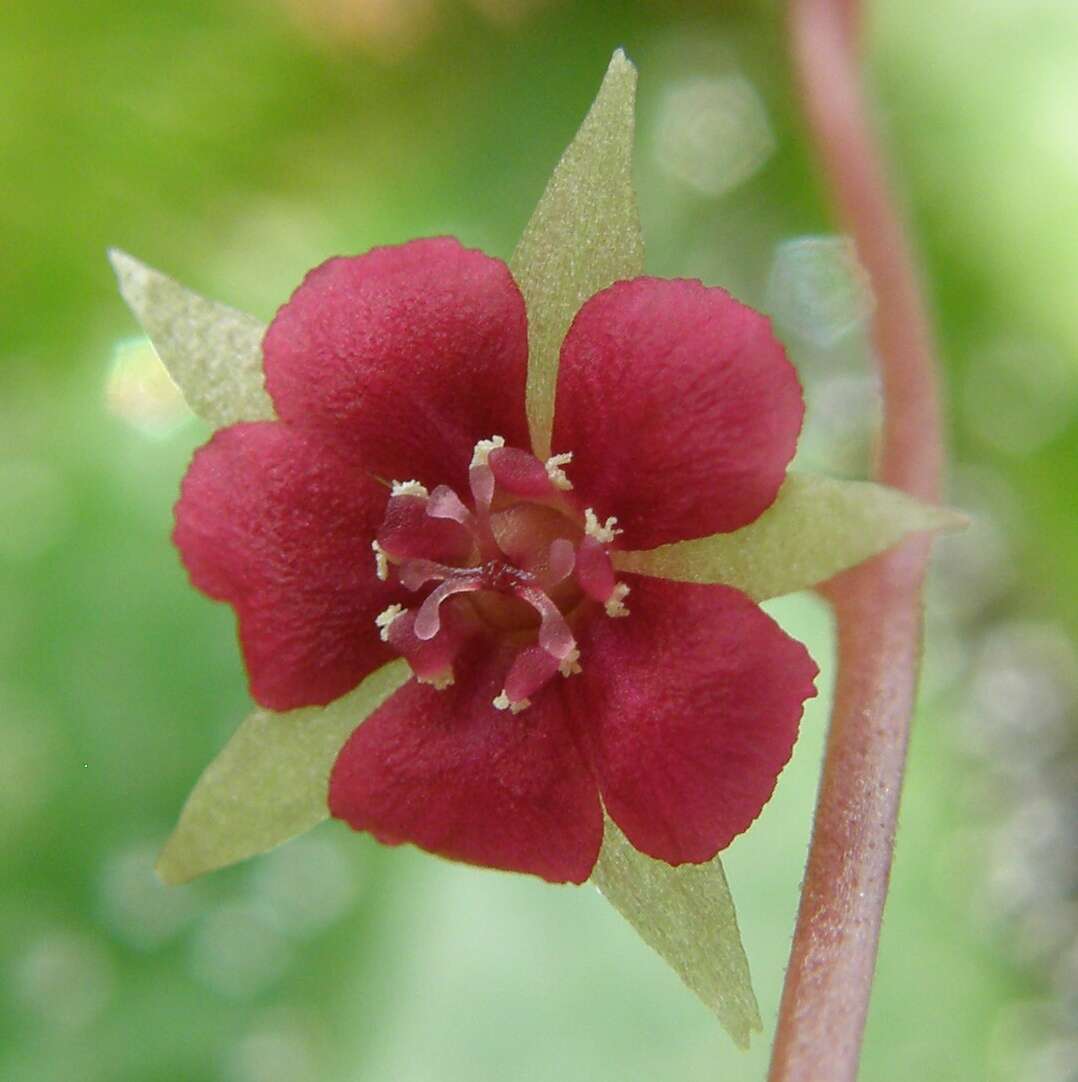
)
(503, 702)
(483, 449)
(481, 482)
(409, 488)
(384, 620)
(429, 622)
(440, 682)
(603, 532)
(381, 561)
(614, 603)
(555, 472)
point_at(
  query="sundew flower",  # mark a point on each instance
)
(526, 517)
(396, 508)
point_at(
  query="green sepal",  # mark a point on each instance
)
(687, 915)
(269, 782)
(817, 527)
(583, 236)
(212, 352)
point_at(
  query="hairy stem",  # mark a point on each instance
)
(878, 607)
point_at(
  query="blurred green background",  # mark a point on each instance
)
(235, 144)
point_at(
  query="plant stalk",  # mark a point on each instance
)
(878, 605)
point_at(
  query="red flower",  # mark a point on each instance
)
(544, 681)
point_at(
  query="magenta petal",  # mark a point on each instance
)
(408, 355)
(448, 772)
(275, 522)
(688, 708)
(680, 408)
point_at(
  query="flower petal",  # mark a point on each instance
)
(816, 528)
(408, 356)
(448, 772)
(214, 353)
(269, 782)
(583, 235)
(275, 522)
(687, 709)
(680, 408)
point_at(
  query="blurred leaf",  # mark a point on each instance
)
(269, 783)
(214, 353)
(687, 915)
(816, 527)
(583, 235)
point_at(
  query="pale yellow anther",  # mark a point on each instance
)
(615, 603)
(384, 620)
(440, 682)
(570, 664)
(409, 488)
(603, 532)
(381, 561)
(555, 472)
(483, 449)
(503, 702)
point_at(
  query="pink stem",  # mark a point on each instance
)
(878, 606)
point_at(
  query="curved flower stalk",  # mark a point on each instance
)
(878, 606)
(554, 492)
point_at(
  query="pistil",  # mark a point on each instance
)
(522, 541)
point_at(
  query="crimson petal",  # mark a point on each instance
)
(408, 355)
(275, 522)
(448, 772)
(688, 708)
(680, 408)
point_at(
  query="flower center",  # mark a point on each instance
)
(523, 562)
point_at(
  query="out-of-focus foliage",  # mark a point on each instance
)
(235, 144)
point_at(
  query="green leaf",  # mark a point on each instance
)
(584, 235)
(213, 353)
(816, 527)
(269, 783)
(687, 915)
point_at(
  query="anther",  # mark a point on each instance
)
(603, 532)
(483, 449)
(440, 682)
(555, 472)
(503, 702)
(381, 561)
(384, 620)
(570, 664)
(409, 488)
(615, 606)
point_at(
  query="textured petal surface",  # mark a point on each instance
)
(687, 915)
(816, 527)
(583, 235)
(275, 522)
(680, 408)
(269, 783)
(449, 773)
(212, 352)
(407, 355)
(688, 709)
